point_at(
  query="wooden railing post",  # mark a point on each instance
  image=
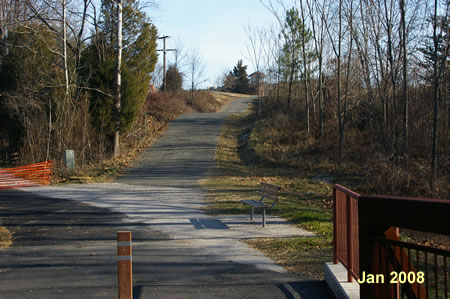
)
(349, 239)
(335, 259)
(345, 227)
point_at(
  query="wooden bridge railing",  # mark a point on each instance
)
(367, 244)
(25, 176)
(345, 230)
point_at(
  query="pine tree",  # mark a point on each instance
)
(241, 79)
(228, 82)
(138, 61)
(174, 79)
(26, 72)
(296, 37)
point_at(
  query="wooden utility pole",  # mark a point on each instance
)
(164, 50)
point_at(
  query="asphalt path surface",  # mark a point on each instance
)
(64, 237)
(186, 151)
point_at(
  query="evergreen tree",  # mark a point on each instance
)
(26, 72)
(241, 79)
(428, 50)
(138, 61)
(296, 37)
(228, 82)
(174, 79)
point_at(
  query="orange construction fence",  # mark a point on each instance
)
(26, 176)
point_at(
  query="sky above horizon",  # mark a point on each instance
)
(214, 28)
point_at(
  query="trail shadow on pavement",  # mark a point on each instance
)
(304, 290)
(67, 249)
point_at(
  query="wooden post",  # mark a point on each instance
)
(124, 265)
(335, 259)
(164, 59)
(349, 238)
(264, 217)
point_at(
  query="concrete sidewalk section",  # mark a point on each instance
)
(177, 212)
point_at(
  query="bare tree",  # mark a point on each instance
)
(180, 54)
(393, 73)
(196, 71)
(439, 64)
(342, 106)
(337, 49)
(12, 14)
(404, 37)
(318, 11)
(360, 33)
(255, 51)
(157, 75)
(306, 62)
(271, 64)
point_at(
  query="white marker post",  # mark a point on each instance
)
(124, 265)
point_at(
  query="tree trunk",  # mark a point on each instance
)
(47, 157)
(64, 28)
(192, 92)
(392, 78)
(318, 44)
(338, 58)
(118, 79)
(381, 85)
(434, 150)
(405, 84)
(305, 69)
(320, 98)
(291, 80)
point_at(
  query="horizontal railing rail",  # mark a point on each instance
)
(27, 175)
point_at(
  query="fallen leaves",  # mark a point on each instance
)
(5, 238)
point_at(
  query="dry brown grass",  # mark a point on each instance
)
(166, 106)
(203, 101)
(224, 97)
(5, 238)
(301, 256)
(367, 166)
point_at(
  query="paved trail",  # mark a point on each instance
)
(185, 153)
(67, 232)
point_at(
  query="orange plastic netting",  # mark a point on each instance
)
(25, 176)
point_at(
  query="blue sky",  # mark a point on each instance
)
(215, 28)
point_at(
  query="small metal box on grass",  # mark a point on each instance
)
(69, 159)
